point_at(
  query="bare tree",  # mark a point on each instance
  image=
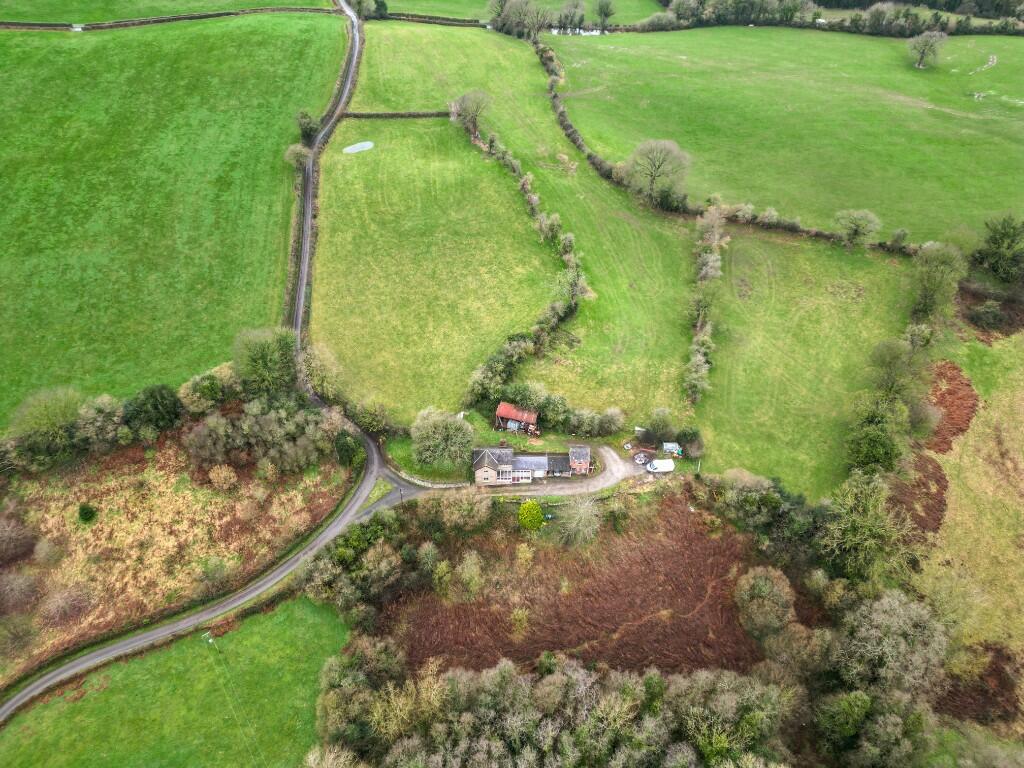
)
(605, 10)
(925, 47)
(570, 18)
(656, 164)
(467, 109)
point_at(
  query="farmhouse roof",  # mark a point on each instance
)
(558, 463)
(491, 457)
(579, 453)
(509, 411)
(532, 462)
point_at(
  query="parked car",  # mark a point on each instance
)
(641, 458)
(661, 466)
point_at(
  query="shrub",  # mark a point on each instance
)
(769, 217)
(856, 227)
(656, 165)
(309, 126)
(87, 512)
(222, 477)
(579, 523)
(18, 591)
(156, 408)
(99, 423)
(531, 515)
(840, 717)
(65, 604)
(873, 448)
(202, 393)
(264, 360)
(43, 427)
(346, 448)
(1003, 249)
(892, 643)
(467, 110)
(939, 269)
(765, 600)
(441, 438)
(659, 22)
(16, 541)
(297, 156)
(859, 536)
(471, 574)
(988, 315)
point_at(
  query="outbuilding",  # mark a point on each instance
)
(509, 418)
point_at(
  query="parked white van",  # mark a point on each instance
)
(660, 466)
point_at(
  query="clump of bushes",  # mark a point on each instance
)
(202, 393)
(765, 600)
(857, 227)
(87, 512)
(711, 243)
(555, 413)
(524, 19)
(531, 515)
(579, 522)
(441, 438)
(223, 477)
(1002, 253)
(65, 604)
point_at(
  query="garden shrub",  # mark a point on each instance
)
(155, 408)
(765, 600)
(441, 438)
(87, 512)
(531, 515)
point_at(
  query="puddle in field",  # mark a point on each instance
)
(362, 146)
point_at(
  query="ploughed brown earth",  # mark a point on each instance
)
(989, 698)
(1013, 311)
(922, 497)
(659, 596)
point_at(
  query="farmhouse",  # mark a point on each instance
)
(503, 466)
(509, 418)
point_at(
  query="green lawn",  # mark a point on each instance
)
(247, 700)
(427, 260)
(85, 11)
(146, 203)
(795, 323)
(812, 123)
(630, 339)
(626, 11)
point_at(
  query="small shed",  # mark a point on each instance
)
(672, 449)
(509, 418)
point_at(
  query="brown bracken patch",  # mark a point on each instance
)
(989, 698)
(661, 596)
(921, 499)
(221, 628)
(954, 396)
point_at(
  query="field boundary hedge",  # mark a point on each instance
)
(396, 115)
(606, 170)
(97, 26)
(444, 21)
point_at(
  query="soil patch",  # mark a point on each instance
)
(952, 394)
(989, 698)
(221, 628)
(661, 596)
(921, 499)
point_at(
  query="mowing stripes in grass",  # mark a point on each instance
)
(247, 699)
(426, 261)
(813, 123)
(146, 204)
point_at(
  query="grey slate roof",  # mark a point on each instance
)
(558, 463)
(580, 453)
(491, 457)
(532, 463)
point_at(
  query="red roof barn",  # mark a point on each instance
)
(512, 419)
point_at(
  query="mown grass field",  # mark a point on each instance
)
(146, 203)
(973, 571)
(85, 11)
(626, 11)
(795, 323)
(629, 340)
(427, 260)
(791, 354)
(246, 700)
(812, 123)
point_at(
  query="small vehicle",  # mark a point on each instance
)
(661, 466)
(641, 458)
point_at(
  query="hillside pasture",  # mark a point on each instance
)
(146, 203)
(795, 323)
(813, 123)
(242, 700)
(427, 260)
(89, 11)
(636, 261)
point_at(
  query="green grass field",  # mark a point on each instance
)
(795, 323)
(427, 259)
(631, 337)
(146, 202)
(626, 11)
(246, 701)
(812, 123)
(85, 11)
